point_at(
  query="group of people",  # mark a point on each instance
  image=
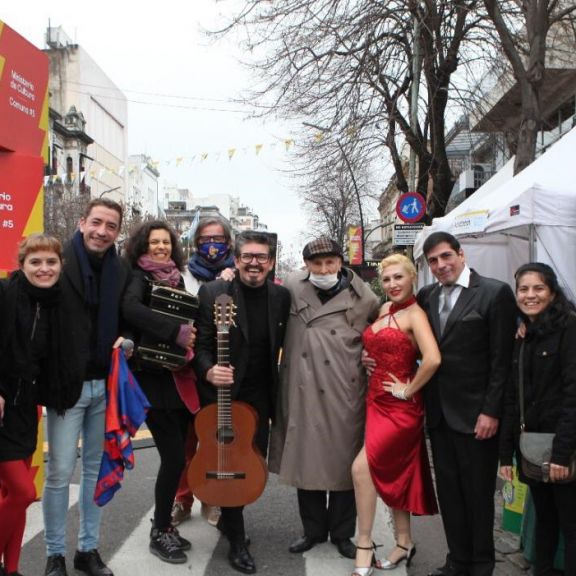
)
(447, 357)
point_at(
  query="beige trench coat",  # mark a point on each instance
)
(319, 426)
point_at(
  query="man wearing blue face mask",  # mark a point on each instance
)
(320, 419)
(211, 260)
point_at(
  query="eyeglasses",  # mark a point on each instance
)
(206, 239)
(247, 257)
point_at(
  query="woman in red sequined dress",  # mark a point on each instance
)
(393, 463)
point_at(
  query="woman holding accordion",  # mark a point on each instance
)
(156, 257)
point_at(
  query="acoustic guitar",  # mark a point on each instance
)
(227, 470)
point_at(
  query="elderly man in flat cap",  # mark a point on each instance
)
(320, 421)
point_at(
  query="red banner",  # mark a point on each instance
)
(21, 178)
(355, 245)
(23, 88)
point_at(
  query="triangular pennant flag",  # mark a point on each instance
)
(231, 152)
(258, 147)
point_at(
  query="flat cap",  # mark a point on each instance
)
(322, 246)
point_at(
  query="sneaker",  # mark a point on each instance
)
(183, 544)
(55, 566)
(211, 514)
(165, 544)
(180, 513)
(91, 563)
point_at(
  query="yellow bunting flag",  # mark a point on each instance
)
(258, 147)
(231, 152)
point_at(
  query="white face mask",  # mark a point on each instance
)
(324, 281)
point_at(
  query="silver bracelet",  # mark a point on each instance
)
(401, 395)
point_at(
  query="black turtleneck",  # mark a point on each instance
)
(258, 374)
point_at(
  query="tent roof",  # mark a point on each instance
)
(544, 192)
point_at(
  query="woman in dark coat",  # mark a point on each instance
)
(35, 368)
(156, 257)
(549, 383)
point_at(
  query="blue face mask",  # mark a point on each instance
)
(213, 251)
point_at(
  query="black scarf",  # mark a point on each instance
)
(56, 371)
(206, 271)
(103, 296)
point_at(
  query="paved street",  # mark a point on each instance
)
(272, 524)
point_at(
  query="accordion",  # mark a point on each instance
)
(177, 304)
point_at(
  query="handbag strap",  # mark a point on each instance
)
(521, 383)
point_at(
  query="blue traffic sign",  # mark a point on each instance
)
(410, 207)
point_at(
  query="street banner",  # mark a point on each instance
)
(21, 180)
(23, 94)
(23, 154)
(355, 245)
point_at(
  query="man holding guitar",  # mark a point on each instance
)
(253, 330)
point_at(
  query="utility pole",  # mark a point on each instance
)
(414, 93)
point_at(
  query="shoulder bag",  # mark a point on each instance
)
(536, 447)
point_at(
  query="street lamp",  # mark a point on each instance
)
(109, 190)
(356, 191)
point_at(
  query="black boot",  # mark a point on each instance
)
(240, 558)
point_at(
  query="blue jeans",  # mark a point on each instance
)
(85, 418)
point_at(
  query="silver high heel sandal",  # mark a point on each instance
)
(410, 551)
(374, 562)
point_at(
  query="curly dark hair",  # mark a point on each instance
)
(556, 315)
(137, 243)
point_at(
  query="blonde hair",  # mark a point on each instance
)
(36, 243)
(394, 259)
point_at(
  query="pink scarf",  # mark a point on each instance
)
(164, 272)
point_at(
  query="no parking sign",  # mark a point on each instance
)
(410, 207)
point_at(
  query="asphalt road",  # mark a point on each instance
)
(272, 523)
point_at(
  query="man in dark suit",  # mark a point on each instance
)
(262, 309)
(473, 319)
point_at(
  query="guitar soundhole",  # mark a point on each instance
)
(225, 435)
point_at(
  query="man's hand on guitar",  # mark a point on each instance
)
(220, 375)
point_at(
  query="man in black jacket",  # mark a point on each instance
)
(92, 283)
(256, 338)
(473, 319)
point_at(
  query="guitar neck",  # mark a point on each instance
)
(224, 392)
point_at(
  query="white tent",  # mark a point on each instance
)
(531, 217)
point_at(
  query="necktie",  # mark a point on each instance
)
(446, 306)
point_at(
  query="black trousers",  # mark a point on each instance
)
(326, 514)
(169, 429)
(555, 506)
(465, 470)
(231, 521)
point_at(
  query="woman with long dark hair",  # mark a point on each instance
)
(156, 257)
(36, 367)
(546, 357)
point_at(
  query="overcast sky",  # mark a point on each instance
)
(179, 86)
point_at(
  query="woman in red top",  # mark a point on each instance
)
(393, 463)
